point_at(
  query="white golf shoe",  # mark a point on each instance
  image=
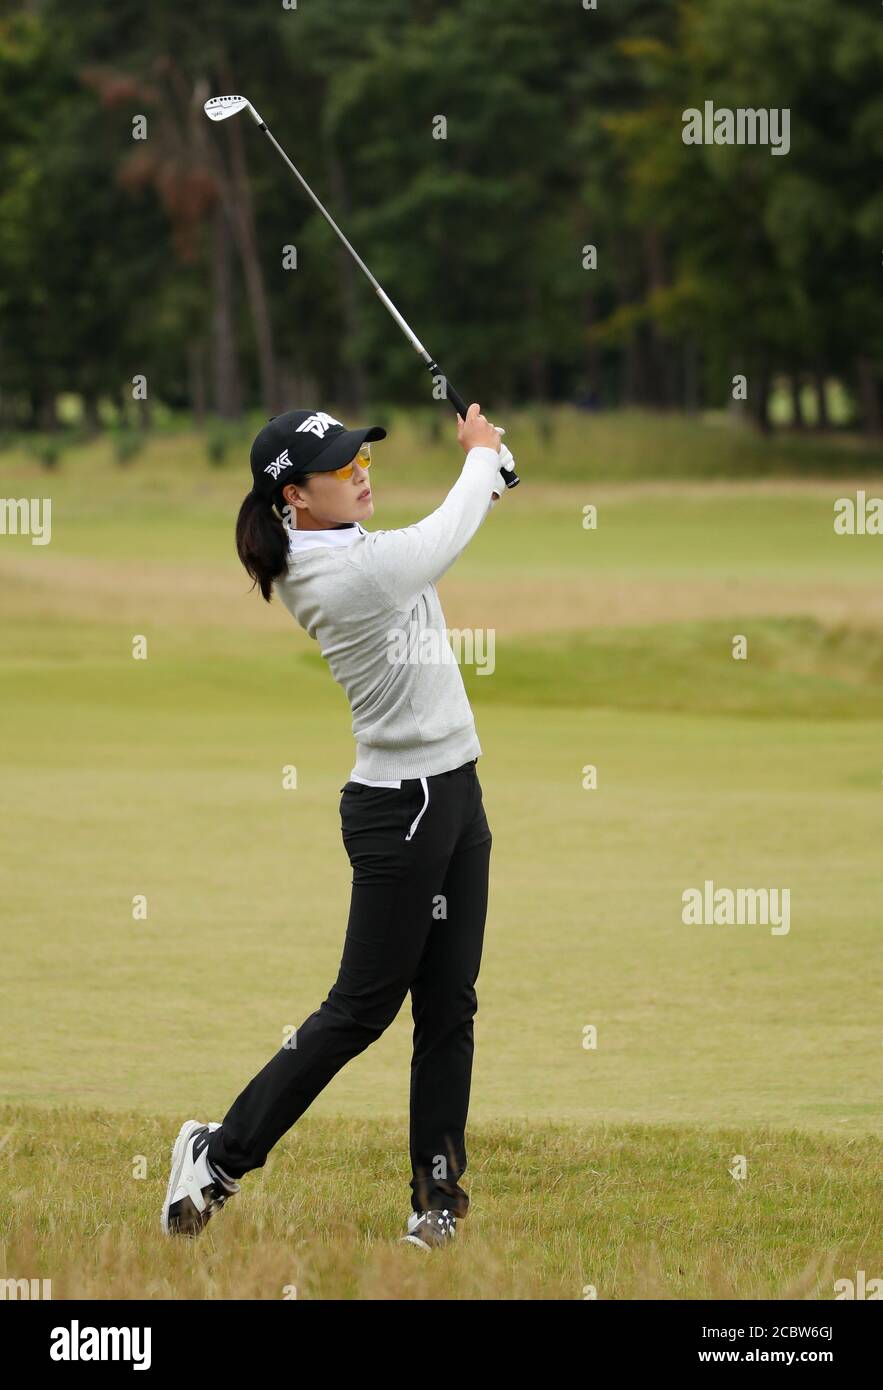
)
(196, 1189)
(429, 1229)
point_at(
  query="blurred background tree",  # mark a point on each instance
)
(167, 256)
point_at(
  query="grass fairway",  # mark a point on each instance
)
(163, 778)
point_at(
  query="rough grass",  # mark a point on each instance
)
(632, 1211)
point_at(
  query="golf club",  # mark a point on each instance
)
(218, 109)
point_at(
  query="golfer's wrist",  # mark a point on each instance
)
(484, 454)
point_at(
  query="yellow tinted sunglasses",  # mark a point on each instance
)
(345, 473)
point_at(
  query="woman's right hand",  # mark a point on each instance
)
(475, 431)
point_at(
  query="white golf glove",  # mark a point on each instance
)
(506, 461)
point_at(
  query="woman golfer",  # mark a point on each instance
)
(412, 818)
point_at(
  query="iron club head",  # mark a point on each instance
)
(219, 108)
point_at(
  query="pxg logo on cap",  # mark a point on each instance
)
(319, 424)
(276, 467)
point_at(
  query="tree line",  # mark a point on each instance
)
(516, 174)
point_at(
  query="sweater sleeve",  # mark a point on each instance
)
(404, 561)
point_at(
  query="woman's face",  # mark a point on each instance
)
(326, 500)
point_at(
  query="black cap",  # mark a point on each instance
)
(303, 441)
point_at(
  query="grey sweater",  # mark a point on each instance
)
(366, 597)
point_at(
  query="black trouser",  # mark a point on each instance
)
(416, 921)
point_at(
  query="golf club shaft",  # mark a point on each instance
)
(510, 477)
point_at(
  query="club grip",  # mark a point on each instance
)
(510, 477)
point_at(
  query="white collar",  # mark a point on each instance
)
(333, 535)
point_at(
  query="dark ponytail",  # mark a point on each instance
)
(261, 542)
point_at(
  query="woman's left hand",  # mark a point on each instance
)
(506, 461)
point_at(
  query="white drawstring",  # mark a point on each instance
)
(416, 822)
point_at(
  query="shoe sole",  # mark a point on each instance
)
(179, 1158)
(425, 1244)
(414, 1240)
